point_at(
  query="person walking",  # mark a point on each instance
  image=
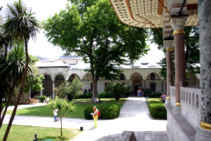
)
(139, 92)
(55, 114)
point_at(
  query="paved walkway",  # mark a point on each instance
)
(27, 106)
(134, 116)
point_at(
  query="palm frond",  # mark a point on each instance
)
(21, 24)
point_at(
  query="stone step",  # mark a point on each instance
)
(144, 136)
(137, 136)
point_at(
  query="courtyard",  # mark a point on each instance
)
(105, 70)
(140, 120)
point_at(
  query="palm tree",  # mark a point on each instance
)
(21, 25)
(11, 71)
(5, 41)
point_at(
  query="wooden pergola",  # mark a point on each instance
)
(153, 13)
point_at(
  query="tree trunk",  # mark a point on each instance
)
(23, 80)
(61, 126)
(94, 91)
(3, 115)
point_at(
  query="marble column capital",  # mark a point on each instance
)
(168, 44)
(178, 23)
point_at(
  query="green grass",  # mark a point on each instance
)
(26, 133)
(157, 108)
(79, 105)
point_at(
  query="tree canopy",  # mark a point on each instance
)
(191, 48)
(91, 29)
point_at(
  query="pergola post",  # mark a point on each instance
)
(178, 27)
(204, 130)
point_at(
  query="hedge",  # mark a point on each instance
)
(151, 94)
(106, 111)
(157, 109)
(87, 95)
(158, 112)
(105, 95)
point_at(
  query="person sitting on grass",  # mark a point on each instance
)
(95, 115)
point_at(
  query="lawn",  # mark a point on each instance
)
(26, 133)
(157, 108)
(79, 105)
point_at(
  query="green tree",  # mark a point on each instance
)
(35, 79)
(62, 106)
(70, 90)
(20, 25)
(76, 87)
(117, 90)
(191, 48)
(91, 29)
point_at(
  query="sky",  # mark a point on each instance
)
(40, 45)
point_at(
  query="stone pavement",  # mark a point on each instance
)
(134, 116)
(27, 106)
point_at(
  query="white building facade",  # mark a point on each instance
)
(145, 76)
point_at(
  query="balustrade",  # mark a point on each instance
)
(190, 104)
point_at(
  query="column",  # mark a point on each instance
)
(168, 44)
(178, 27)
(41, 92)
(205, 70)
(30, 93)
(53, 89)
(169, 48)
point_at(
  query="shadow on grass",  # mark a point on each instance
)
(49, 138)
(38, 111)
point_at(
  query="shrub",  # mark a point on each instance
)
(109, 111)
(106, 111)
(86, 95)
(70, 90)
(158, 112)
(87, 112)
(151, 94)
(117, 90)
(42, 98)
(105, 95)
(157, 108)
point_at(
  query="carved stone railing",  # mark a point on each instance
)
(190, 104)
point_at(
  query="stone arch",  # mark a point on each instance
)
(47, 85)
(122, 76)
(72, 77)
(153, 76)
(87, 77)
(136, 78)
(192, 80)
(137, 81)
(59, 79)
